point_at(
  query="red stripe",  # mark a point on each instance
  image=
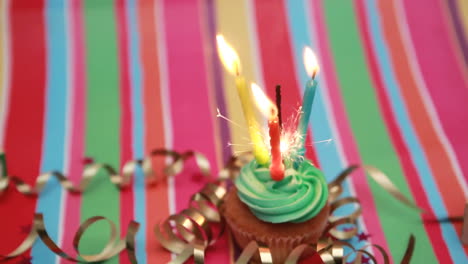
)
(71, 216)
(126, 194)
(434, 231)
(277, 60)
(24, 127)
(154, 124)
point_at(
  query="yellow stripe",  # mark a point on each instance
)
(463, 8)
(232, 22)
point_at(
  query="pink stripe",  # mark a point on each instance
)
(73, 202)
(348, 144)
(444, 75)
(192, 119)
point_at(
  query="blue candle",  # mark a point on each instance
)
(311, 66)
(307, 102)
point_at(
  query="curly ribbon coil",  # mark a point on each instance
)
(251, 249)
(378, 176)
(194, 227)
(129, 168)
(113, 247)
(92, 170)
(191, 232)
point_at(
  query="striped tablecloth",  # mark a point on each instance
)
(111, 80)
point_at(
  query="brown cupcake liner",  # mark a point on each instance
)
(241, 223)
(280, 247)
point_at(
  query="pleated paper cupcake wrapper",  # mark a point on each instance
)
(280, 247)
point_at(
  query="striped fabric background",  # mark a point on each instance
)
(110, 80)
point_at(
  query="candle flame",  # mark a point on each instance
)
(265, 105)
(228, 55)
(310, 62)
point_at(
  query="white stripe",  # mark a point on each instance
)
(165, 96)
(69, 120)
(422, 87)
(6, 69)
(165, 92)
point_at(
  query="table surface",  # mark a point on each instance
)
(108, 81)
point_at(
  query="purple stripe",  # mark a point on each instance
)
(453, 7)
(217, 75)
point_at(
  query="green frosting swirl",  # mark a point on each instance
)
(297, 198)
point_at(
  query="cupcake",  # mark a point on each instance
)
(279, 214)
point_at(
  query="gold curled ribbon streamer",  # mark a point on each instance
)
(23, 247)
(193, 228)
(253, 248)
(92, 170)
(192, 232)
(233, 166)
(133, 228)
(113, 246)
(409, 250)
(379, 177)
(330, 251)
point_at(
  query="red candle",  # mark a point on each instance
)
(277, 166)
(269, 109)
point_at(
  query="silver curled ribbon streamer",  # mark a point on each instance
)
(192, 231)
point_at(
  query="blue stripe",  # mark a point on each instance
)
(53, 153)
(411, 140)
(138, 128)
(328, 154)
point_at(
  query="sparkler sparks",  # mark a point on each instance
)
(218, 114)
(290, 138)
(328, 141)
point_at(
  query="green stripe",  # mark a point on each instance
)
(370, 133)
(102, 119)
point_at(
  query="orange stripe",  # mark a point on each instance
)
(157, 206)
(439, 161)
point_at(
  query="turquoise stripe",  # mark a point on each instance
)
(328, 154)
(53, 152)
(409, 136)
(138, 128)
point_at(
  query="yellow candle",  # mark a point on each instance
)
(259, 149)
(231, 62)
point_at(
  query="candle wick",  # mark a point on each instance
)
(313, 74)
(278, 104)
(237, 69)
